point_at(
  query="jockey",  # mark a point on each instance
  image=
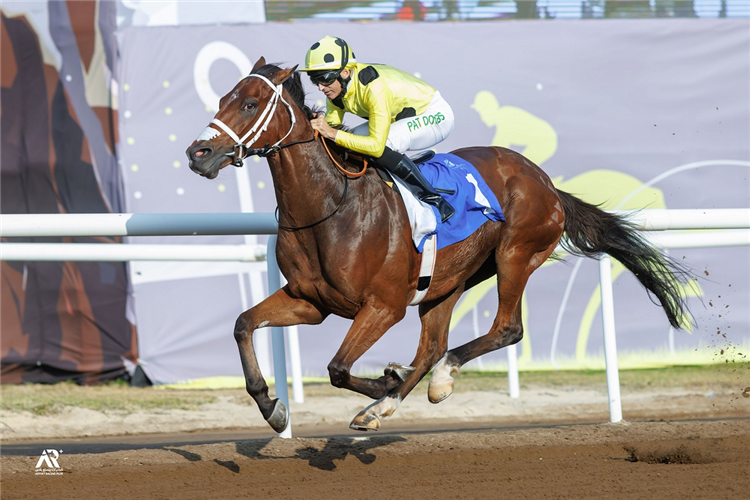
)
(403, 112)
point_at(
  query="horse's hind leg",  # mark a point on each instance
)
(280, 309)
(441, 382)
(433, 343)
(512, 275)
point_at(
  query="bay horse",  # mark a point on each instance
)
(345, 247)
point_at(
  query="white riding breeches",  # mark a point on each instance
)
(421, 131)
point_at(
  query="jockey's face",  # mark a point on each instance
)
(333, 90)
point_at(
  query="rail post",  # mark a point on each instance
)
(610, 339)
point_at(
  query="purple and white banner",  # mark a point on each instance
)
(628, 114)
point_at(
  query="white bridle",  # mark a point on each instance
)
(261, 125)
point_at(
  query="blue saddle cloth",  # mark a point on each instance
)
(473, 200)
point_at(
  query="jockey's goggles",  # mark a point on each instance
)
(325, 77)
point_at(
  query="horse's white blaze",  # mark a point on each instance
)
(208, 134)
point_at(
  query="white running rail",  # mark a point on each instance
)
(734, 222)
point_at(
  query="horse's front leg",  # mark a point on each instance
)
(280, 309)
(370, 323)
(433, 342)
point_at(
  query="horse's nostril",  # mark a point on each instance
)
(201, 152)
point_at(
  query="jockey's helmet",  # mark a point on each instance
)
(327, 58)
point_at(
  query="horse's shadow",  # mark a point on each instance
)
(323, 458)
(334, 449)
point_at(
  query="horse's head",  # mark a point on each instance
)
(244, 124)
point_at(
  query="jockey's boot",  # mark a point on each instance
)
(408, 172)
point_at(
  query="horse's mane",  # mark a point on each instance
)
(293, 85)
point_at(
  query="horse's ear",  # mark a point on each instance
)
(283, 75)
(261, 62)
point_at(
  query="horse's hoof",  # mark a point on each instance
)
(279, 417)
(439, 391)
(398, 371)
(365, 422)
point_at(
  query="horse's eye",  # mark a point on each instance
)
(249, 106)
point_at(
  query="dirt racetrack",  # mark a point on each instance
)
(547, 444)
(686, 459)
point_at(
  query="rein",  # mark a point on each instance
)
(267, 150)
(342, 169)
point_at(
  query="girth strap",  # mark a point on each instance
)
(426, 270)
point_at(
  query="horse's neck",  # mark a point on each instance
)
(307, 186)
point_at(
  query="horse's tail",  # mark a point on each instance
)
(590, 231)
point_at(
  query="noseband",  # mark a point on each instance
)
(242, 149)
